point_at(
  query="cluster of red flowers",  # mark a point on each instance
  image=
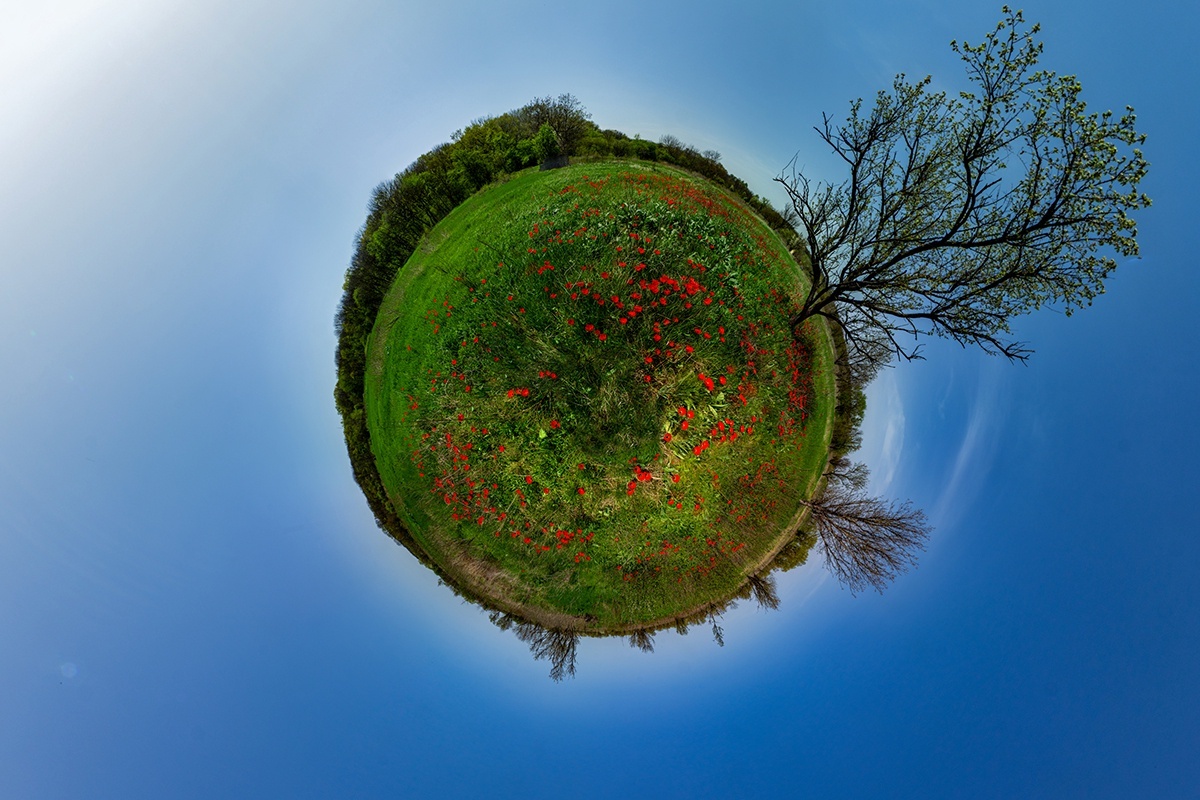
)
(674, 312)
(639, 476)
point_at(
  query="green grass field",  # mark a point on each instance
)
(584, 400)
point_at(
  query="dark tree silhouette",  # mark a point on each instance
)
(643, 640)
(960, 213)
(867, 541)
(557, 646)
(851, 475)
(762, 589)
(717, 631)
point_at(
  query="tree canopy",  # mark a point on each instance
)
(962, 212)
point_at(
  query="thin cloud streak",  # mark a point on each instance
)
(975, 451)
(883, 431)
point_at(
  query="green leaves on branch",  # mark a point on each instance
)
(546, 144)
(960, 213)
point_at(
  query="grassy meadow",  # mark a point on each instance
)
(584, 400)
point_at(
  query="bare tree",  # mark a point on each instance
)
(557, 646)
(867, 541)
(643, 640)
(851, 475)
(717, 631)
(960, 213)
(762, 589)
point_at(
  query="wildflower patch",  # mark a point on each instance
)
(591, 388)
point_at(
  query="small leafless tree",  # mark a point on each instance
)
(557, 646)
(867, 541)
(851, 475)
(501, 620)
(717, 631)
(643, 640)
(762, 589)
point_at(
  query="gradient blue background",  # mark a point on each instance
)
(194, 599)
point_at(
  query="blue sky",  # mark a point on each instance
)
(195, 602)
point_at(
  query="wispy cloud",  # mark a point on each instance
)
(883, 431)
(975, 450)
